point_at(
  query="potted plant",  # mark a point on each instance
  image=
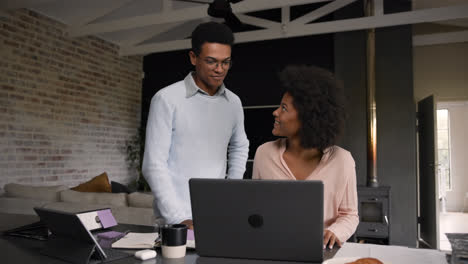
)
(135, 148)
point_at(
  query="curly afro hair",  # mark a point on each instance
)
(319, 100)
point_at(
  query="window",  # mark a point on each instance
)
(443, 149)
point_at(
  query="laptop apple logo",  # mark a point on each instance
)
(255, 220)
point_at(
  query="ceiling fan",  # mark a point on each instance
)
(221, 9)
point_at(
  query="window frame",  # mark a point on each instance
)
(449, 182)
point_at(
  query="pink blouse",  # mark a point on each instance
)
(336, 170)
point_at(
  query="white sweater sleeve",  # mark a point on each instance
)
(155, 162)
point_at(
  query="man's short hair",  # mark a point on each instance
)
(211, 32)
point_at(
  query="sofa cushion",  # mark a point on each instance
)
(123, 215)
(135, 216)
(141, 200)
(14, 205)
(113, 199)
(75, 207)
(99, 183)
(42, 193)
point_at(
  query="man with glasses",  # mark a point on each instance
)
(193, 124)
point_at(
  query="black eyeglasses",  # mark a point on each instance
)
(213, 64)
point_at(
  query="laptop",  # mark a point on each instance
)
(37, 230)
(71, 241)
(258, 219)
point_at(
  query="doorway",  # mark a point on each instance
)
(452, 169)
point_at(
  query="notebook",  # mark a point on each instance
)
(137, 241)
(71, 241)
(258, 219)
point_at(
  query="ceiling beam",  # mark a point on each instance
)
(378, 7)
(455, 22)
(394, 19)
(15, 4)
(320, 12)
(178, 15)
(440, 38)
(285, 14)
(167, 5)
(149, 48)
(181, 31)
(259, 22)
(97, 12)
(147, 33)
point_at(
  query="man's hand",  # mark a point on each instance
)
(188, 223)
(329, 238)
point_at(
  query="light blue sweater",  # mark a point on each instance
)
(188, 135)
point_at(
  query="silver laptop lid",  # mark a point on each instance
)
(258, 219)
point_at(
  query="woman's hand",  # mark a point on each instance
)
(188, 223)
(329, 238)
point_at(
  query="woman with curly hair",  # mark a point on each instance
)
(310, 118)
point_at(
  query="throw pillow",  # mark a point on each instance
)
(119, 188)
(99, 183)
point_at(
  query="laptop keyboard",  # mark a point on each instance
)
(36, 230)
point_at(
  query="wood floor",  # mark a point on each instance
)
(451, 222)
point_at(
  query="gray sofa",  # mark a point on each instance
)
(133, 208)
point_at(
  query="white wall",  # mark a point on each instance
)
(441, 70)
(458, 153)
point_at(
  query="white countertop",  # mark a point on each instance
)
(392, 254)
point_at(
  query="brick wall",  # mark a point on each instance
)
(67, 105)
